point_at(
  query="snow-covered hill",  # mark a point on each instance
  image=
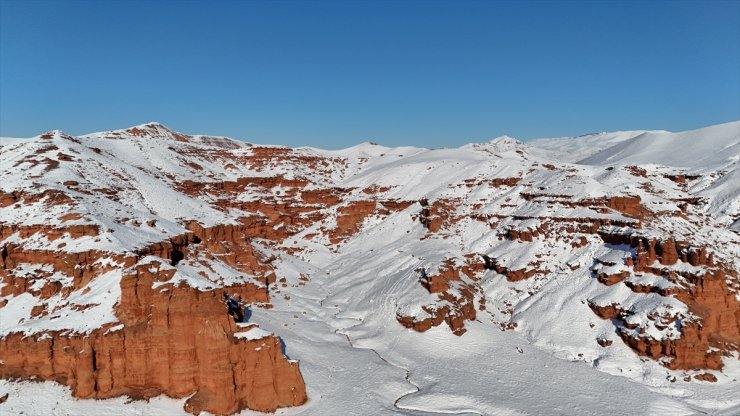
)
(713, 147)
(589, 275)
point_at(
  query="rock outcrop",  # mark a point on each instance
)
(454, 286)
(173, 340)
(714, 325)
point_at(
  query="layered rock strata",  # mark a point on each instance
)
(173, 340)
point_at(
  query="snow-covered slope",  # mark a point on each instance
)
(712, 151)
(713, 147)
(590, 275)
(573, 149)
(10, 140)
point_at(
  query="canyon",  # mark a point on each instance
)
(117, 248)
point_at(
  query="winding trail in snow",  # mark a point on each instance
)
(407, 376)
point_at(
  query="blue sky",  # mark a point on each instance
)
(333, 74)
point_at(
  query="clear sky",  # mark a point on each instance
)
(333, 74)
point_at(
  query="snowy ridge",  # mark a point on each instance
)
(573, 149)
(713, 147)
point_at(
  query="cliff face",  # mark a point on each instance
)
(714, 325)
(170, 338)
(173, 340)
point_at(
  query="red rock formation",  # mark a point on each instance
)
(437, 214)
(524, 273)
(160, 326)
(349, 220)
(459, 310)
(706, 377)
(295, 207)
(493, 183)
(9, 198)
(175, 340)
(629, 205)
(604, 342)
(709, 298)
(610, 311)
(613, 278)
(687, 352)
(524, 235)
(231, 243)
(438, 283)
(51, 197)
(636, 171)
(458, 306)
(701, 342)
(681, 178)
(81, 266)
(50, 232)
(582, 241)
(666, 251)
(705, 293)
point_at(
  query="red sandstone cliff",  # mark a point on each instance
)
(174, 340)
(705, 292)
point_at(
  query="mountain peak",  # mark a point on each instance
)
(505, 140)
(499, 144)
(152, 129)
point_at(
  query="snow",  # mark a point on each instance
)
(81, 312)
(5, 141)
(710, 147)
(573, 149)
(49, 398)
(340, 322)
(252, 332)
(649, 279)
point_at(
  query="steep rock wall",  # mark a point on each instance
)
(705, 289)
(174, 340)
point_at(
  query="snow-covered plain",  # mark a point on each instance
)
(341, 323)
